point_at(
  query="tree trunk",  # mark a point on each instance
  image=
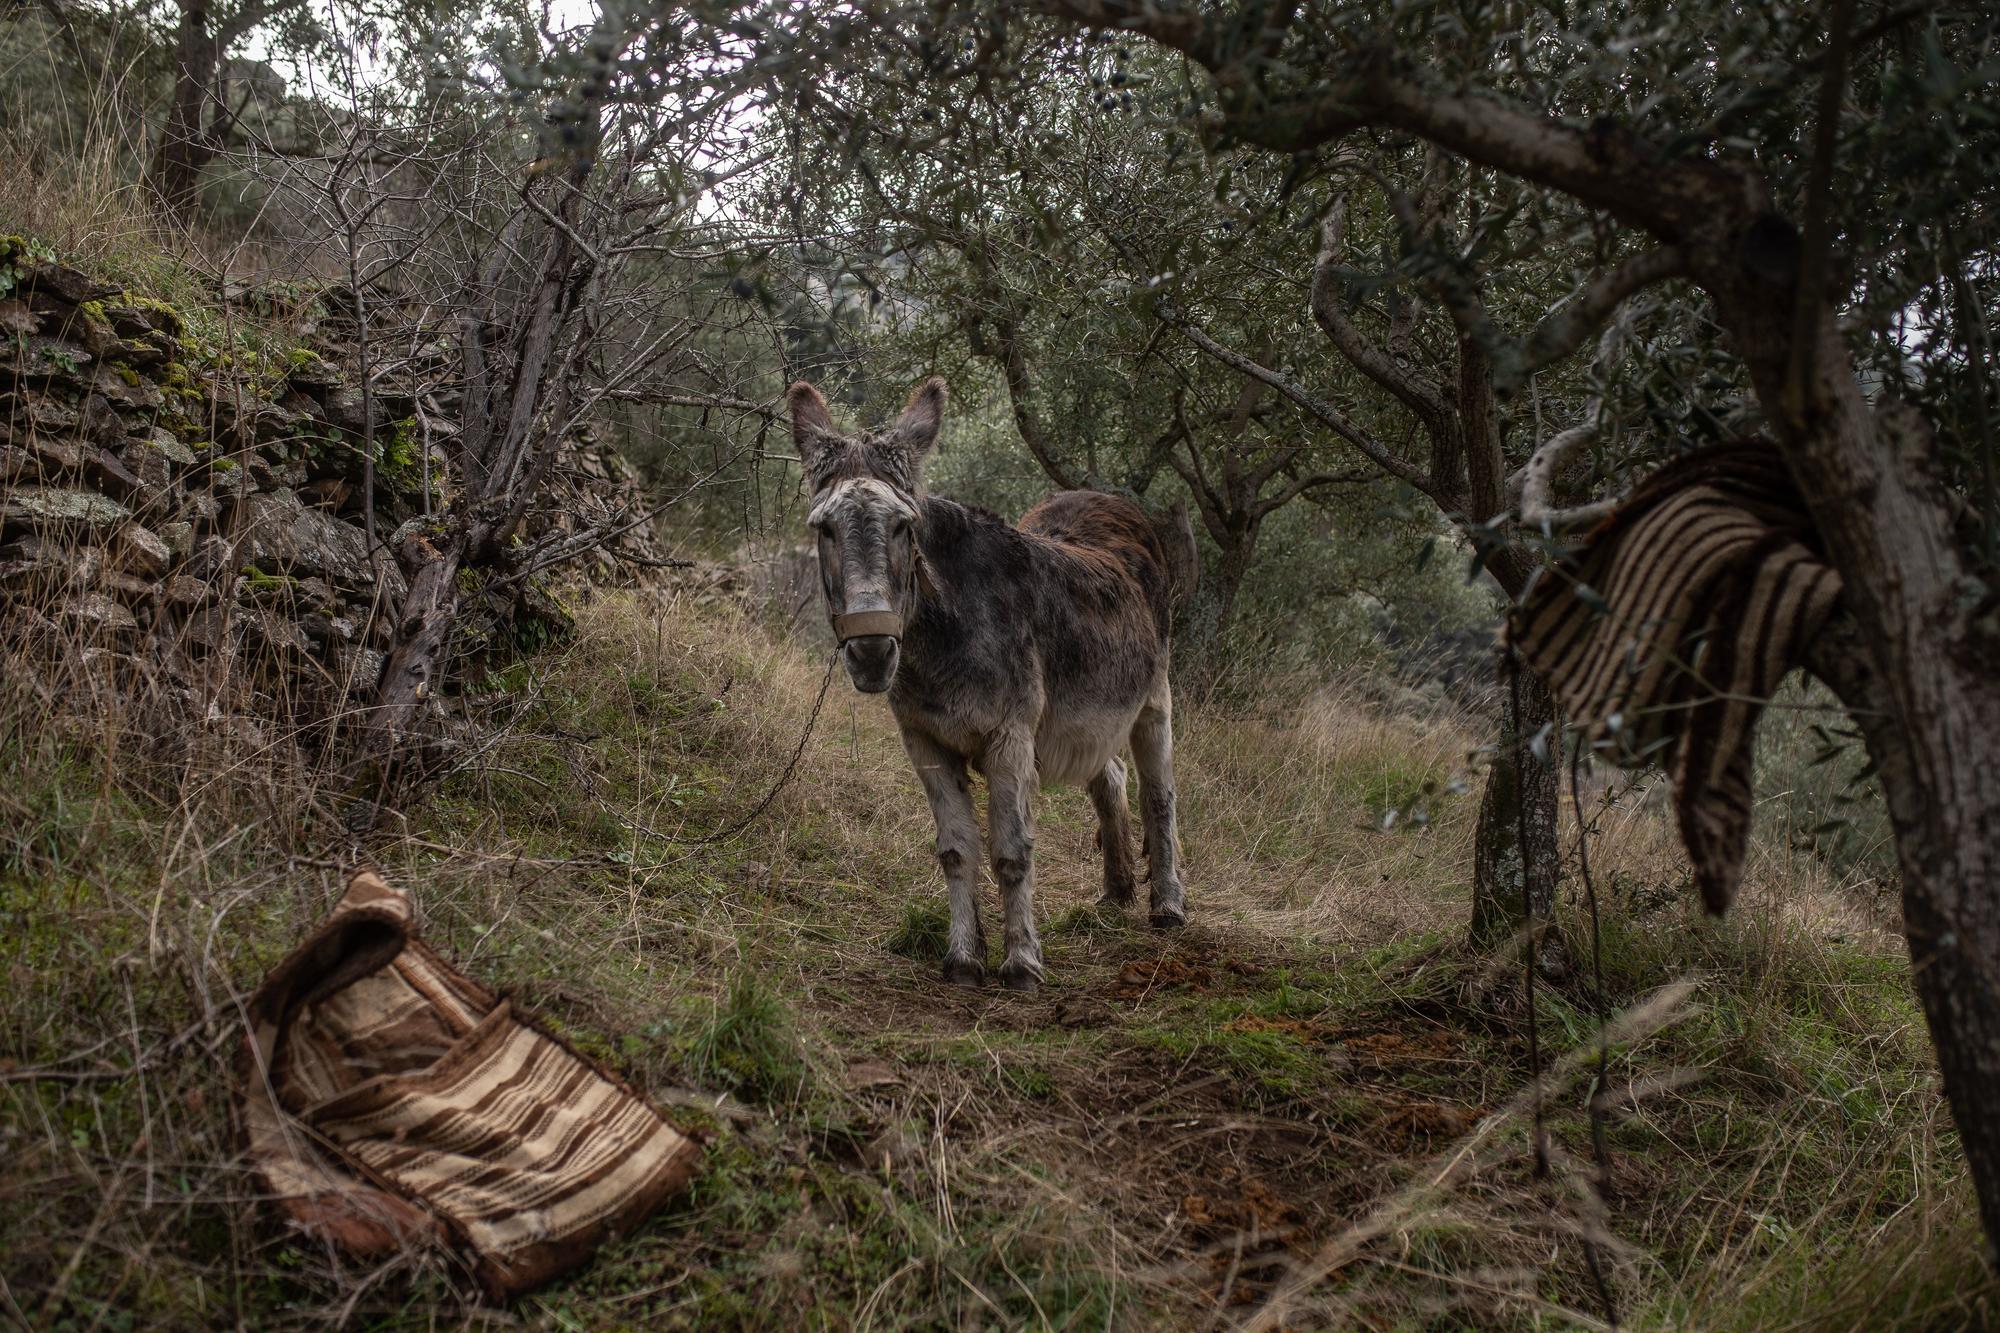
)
(184, 148)
(1515, 852)
(423, 634)
(1916, 669)
(1200, 639)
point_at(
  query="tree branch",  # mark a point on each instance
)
(1563, 330)
(1538, 509)
(1303, 484)
(1330, 313)
(1606, 166)
(1341, 424)
(1014, 369)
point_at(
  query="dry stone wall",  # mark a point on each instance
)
(193, 499)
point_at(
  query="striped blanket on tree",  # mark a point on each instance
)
(388, 1103)
(1664, 635)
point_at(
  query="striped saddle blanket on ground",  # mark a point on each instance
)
(1664, 635)
(388, 1103)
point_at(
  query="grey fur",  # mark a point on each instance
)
(1032, 654)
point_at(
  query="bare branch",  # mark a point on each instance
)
(771, 409)
(1318, 480)
(1538, 510)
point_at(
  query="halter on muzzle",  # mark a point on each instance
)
(865, 624)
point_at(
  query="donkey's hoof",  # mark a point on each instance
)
(1113, 902)
(1169, 918)
(1020, 977)
(964, 971)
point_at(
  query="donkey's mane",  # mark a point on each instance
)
(970, 515)
(843, 459)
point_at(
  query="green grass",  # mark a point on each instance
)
(746, 1043)
(924, 933)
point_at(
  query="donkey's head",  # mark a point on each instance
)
(865, 512)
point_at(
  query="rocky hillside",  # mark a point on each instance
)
(186, 488)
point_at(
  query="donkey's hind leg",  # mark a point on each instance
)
(1153, 754)
(1114, 833)
(943, 776)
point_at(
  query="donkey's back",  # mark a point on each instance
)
(1102, 596)
(1111, 537)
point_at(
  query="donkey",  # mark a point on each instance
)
(1032, 654)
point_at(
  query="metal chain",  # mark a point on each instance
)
(784, 778)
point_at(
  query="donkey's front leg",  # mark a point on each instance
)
(1153, 754)
(943, 775)
(1010, 785)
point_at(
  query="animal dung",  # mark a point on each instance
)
(388, 1103)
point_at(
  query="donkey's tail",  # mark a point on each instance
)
(1183, 556)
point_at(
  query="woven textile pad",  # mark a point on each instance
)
(1666, 633)
(388, 1102)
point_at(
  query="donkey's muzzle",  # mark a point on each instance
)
(871, 661)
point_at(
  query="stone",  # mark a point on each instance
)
(182, 590)
(148, 465)
(130, 321)
(327, 492)
(127, 588)
(213, 557)
(310, 371)
(140, 354)
(344, 409)
(40, 506)
(42, 358)
(127, 387)
(79, 325)
(201, 509)
(44, 412)
(271, 421)
(18, 465)
(163, 441)
(32, 563)
(101, 421)
(179, 537)
(314, 592)
(57, 454)
(274, 630)
(138, 550)
(98, 610)
(138, 321)
(277, 534)
(47, 278)
(362, 669)
(211, 631)
(16, 319)
(304, 408)
(110, 475)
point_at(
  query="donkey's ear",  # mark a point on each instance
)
(812, 424)
(917, 429)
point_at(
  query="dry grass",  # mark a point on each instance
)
(1295, 1096)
